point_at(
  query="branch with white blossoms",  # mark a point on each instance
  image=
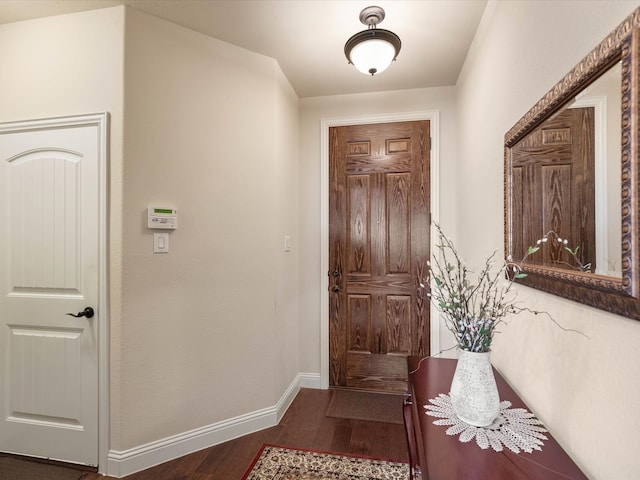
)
(473, 305)
(517, 269)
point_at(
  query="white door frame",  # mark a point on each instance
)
(434, 124)
(101, 121)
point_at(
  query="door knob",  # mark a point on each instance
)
(336, 288)
(87, 312)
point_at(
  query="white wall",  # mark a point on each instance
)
(312, 111)
(287, 220)
(585, 390)
(208, 332)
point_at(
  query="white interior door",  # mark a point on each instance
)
(49, 266)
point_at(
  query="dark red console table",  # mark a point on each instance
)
(438, 456)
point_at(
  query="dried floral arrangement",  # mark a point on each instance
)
(475, 304)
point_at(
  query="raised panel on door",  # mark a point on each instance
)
(556, 210)
(399, 325)
(517, 211)
(359, 253)
(36, 355)
(43, 222)
(359, 318)
(398, 224)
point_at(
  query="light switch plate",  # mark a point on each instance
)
(160, 243)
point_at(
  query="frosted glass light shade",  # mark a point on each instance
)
(372, 51)
(372, 56)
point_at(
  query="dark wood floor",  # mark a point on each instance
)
(304, 426)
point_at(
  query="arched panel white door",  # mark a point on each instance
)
(49, 268)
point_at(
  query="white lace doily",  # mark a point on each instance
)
(514, 428)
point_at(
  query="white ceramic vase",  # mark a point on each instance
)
(474, 393)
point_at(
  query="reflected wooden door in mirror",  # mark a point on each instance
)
(571, 173)
(557, 164)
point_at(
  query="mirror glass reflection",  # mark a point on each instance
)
(566, 176)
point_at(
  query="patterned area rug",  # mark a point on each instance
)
(279, 463)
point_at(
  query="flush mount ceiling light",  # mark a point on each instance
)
(372, 51)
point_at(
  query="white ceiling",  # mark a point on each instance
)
(307, 37)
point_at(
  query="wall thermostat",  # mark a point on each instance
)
(165, 218)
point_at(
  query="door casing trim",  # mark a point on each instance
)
(433, 116)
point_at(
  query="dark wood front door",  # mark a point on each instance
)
(378, 251)
(556, 164)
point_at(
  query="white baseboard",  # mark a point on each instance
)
(310, 380)
(123, 463)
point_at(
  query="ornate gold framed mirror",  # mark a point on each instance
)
(572, 180)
